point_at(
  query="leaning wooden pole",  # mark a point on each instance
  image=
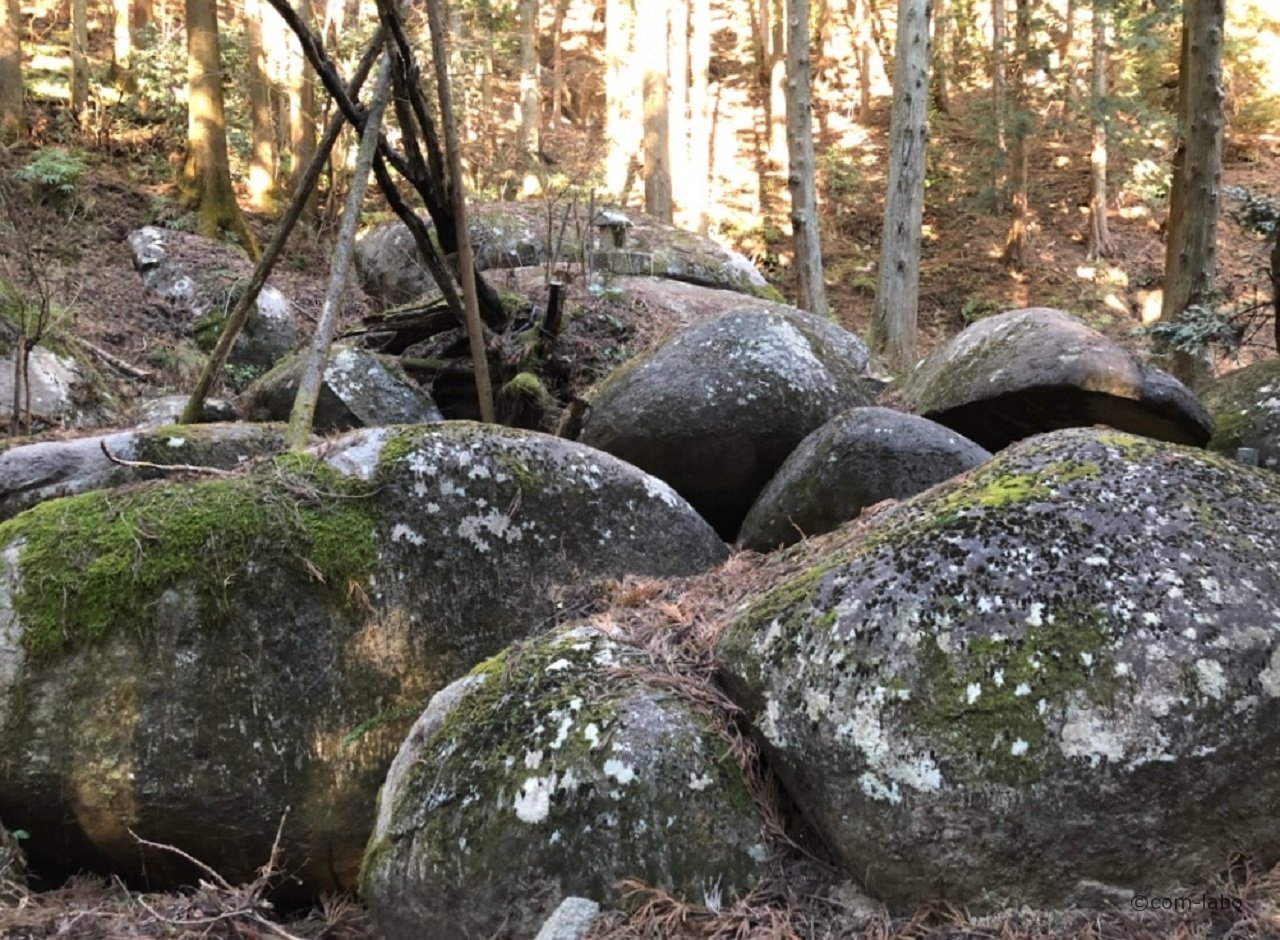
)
(466, 259)
(239, 315)
(298, 435)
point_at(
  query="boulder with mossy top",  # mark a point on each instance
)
(855, 460)
(1245, 405)
(185, 661)
(558, 768)
(358, 389)
(1024, 372)
(718, 408)
(204, 278)
(1055, 679)
(515, 235)
(44, 470)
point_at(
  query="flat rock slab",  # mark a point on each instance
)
(718, 408)
(1025, 372)
(853, 461)
(1054, 677)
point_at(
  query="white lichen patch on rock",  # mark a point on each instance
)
(1087, 620)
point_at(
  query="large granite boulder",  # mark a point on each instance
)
(854, 461)
(358, 389)
(1025, 372)
(33, 473)
(1245, 405)
(204, 277)
(186, 661)
(1055, 679)
(514, 235)
(555, 770)
(718, 408)
(59, 391)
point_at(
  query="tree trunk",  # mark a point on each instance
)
(262, 163)
(999, 97)
(530, 98)
(557, 61)
(1190, 258)
(80, 62)
(13, 120)
(302, 110)
(1015, 243)
(301, 418)
(122, 44)
(1100, 244)
(941, 56)
(678, 102)
(206, 177)
(811, 292)
(1064, 55)
(622, 94)
(862, 16)
(466, 260)
(778, 88)
(700, 131)
(652, 37)
(893, 315)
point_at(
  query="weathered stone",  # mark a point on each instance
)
(854, 461)
(717, 409)
(514, 235)
(205, 276)
(60, 391)
(188, 660)
(34, 473)
(359, 389)
(1025, 372)
(1058, 672)
(168, 410)
(1245, 405)
(570, 921)
(555, 769)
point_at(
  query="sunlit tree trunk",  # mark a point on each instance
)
(893, 315)
(652, 36)
(206, 177)
(262, 163)
(1190, 257)
(557, 61)
(1100, 245)
(678, 101)
(622, 97)
(700, 139)
(778, 86)
(302, 107)
(999, 101)
(1015, 244)
(1065, 42)
(122, 43)
(941, 57)
(530, 98)
(863, 44)
(811, 292)
(79, 61)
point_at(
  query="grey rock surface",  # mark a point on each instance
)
(1057, 672)
(1245, 405)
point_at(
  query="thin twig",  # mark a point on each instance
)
(169, 467)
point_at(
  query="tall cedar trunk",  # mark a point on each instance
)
(1190, 258)
(13, 121)
(122, 44)
(862, 14)
(810, 290)
(893, 315)
(999, 101)
(1064, 54)
(206, 177)
(79, 61)
(1100, 244)
(622, 97)
(941, 56)
(700, 136)
(1015, 243)
(262, 163)
(530, 99)
(652, 36)
(678, 102)
(557, 63)
(777, 89)
(302, 110)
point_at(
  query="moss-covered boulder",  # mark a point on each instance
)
(514, 235)
(1056, 675)
(1245, 405)
(33, 473)
(1025, 372)
(189, 660)
(553, 770)
(718, 408)
(359, 389)
(854, 461)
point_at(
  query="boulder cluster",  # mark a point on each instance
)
(1015, 643)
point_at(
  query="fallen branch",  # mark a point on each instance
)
(170, 467)
(116, 362)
